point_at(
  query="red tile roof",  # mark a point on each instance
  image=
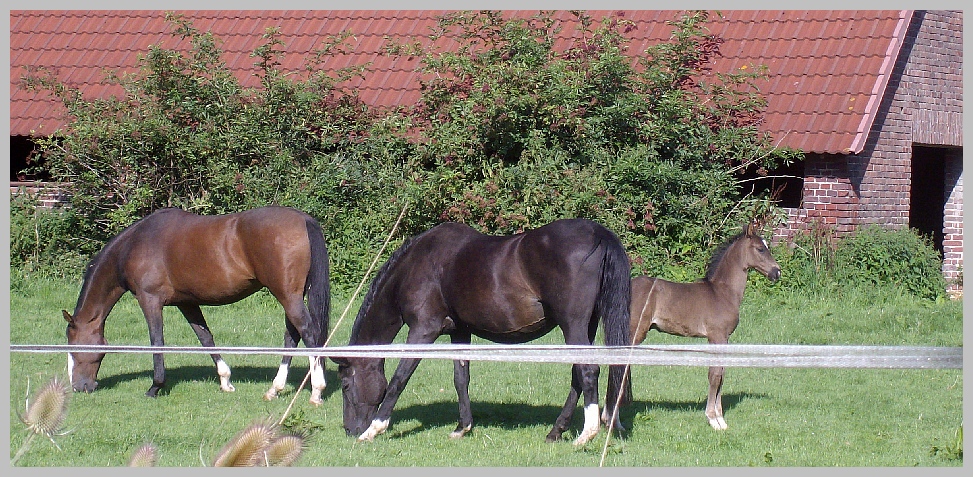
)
(828, 69)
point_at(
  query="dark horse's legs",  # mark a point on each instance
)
(422, 332)
(461, 380)
(195, 318)
(584, 382)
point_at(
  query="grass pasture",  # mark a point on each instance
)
(776, 417)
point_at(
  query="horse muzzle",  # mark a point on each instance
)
(84, 385)
(774, 274)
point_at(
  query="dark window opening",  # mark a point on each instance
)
(25, 162)
(785, 184)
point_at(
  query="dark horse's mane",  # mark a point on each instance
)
(380, 278)
(714, 261)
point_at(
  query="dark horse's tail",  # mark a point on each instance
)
(613, 304)
(317, 288)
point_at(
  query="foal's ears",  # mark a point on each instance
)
(750, 230)
(340, 361)
(67, 316)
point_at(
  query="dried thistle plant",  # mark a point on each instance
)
(46, 415)
(259, 445)
(283, 451)
(145, 456)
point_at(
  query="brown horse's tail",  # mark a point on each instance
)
(317, 288)
(614, 302)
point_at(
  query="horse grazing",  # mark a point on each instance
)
(456, 281)
(705, 309)
(173, 257)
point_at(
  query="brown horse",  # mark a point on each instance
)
(452, 280)
(705, 309)
(173, 257)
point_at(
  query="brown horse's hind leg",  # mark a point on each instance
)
(298, 316)
(195, 318)
(291, 336)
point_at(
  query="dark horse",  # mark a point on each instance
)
(172, 257)
(705, 309)
(456, 281)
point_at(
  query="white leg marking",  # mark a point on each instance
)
(71, 369)
(718, 423)
(591, 425)
(375, 429)
(317, 380)
(224, 371)
(460, 433)
(278, 385)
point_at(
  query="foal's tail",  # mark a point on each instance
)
(317, 288)
(614, 302)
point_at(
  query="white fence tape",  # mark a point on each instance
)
(760, 356)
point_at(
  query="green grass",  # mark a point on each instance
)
(776, 417)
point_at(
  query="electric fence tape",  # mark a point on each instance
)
(730, 355)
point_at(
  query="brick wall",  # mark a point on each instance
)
(922, 105)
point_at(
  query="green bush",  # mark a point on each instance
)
(871, 256)
(508, 134)
(875, 255)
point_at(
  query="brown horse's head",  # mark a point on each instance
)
(83, 367)
(363, 386)
(756, 254)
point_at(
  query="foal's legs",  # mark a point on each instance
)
(714, 401)
(195, 318)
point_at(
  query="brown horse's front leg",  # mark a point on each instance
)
(153, 317)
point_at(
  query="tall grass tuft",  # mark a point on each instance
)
(46, 416)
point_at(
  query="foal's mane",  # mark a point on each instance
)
(720, 254)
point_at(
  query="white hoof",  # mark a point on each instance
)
(459, 433)
(375, 429)
(271, 394)
(718, 423)
(227, 388)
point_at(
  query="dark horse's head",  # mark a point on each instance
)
(756, 254)
(363, 386)
(83, 367)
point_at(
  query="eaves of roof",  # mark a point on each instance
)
(827, 70)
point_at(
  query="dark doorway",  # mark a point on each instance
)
(24, 161)
(928, 192)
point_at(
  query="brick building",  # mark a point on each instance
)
(873, 98)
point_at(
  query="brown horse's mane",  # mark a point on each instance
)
(719, 255)
(107, 251)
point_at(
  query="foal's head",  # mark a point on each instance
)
(754, 253)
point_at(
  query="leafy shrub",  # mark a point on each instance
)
(875, 255)
(509, 134)
(870, 256)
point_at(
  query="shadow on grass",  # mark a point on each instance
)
(253, 374)
(511, 416)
